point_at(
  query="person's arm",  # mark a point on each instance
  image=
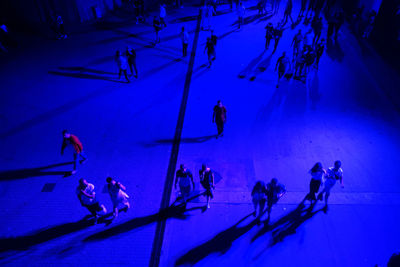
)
(341, 180)
(176, 180)
(225, 113)
(277, 63)
(213, 116)
(293, 41)
(191, 178)
(63, 146)
(121, 186)
(86, 194)
(212, 180)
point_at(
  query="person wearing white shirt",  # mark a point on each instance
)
(241, 10)
(185, 41)
(332, 175)
(87, 197)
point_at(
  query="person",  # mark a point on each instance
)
(60, 27)
(370, 24)
(331, 26)
(185, 41)
(139, 10)
(122, 63)
(317, 172)
(210, 48)
(131, 53)
(309, 56)
(317, 28)
(288, 12)
(311, 7)
(339, 20)
(241, 11)
(275, 6)
(3, 37)
(157, 28)
(269, 34)
(71, 141)
(184, 176)
(207, 181)
(307, 43)
(219, 117)
(214, 5)
(163, 14)
(332, 175)
(179, 3)
(278, 33)
(87, 197)
(207, 13)
(258, 195)
(296, 43)
(274, 192)
(319, 50)
(282, 65)
(117, 195)
(214, 38)
(299, 65)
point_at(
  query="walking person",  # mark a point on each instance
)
(317, 173)
(319, 50)
(258, 195)
(163, 14)
(296, 43)
(278, 33)
(117, 195)
(269, 34)
(274, 192)
(214, 38)
(185, 41)
(71, 142)
(207, 181)
(87, 197)
(311, 7)
(241, 11)
(184, 177)
(317, 28)
(332, 175)
(207, 13)
(282, 65)
(288, 12)
(219, 117)
(60, 28)
(210, 48)
(299, 64)
(157, 28)
(139, 10)
(309, 56)
(131, 53)
(122, 63)
(302, 7)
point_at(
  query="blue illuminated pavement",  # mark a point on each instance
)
(127, 130)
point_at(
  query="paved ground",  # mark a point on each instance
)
(341, 112)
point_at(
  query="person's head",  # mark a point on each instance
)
(284, 53)
(212, 31)
(317, 167)
(208, 39)
(182, 166)
(66, 134)
(338, 164)
(183, 29)
(219, 103)
(109, 180)
(83, 182)
(203, 166)
(269, 24)
(274, 181)
(117, 53)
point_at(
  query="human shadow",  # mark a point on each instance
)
(33, 172)
(85, 76)
(334, 50)
(173, 211)
(296, 22)
(46, 234)
(263, 66)
(249, 68)
(83, 69)
(220, 243)
(189, 140)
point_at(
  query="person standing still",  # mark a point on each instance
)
(185, 41)
(163, 14)
(219, 117)
(122, 63)
(184, 177)
(131, 53)
(71, 141)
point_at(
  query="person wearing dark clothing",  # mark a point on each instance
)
(207, 181)
(299, 65)
(157, 28)
(87, 197)
(278, 33)
(184, 177)
(317, 173)
(214, 38)
(303, 7)
(210, 48)
(282, 65)
(139, 10)
(296, 43)
(185, 41)
(288, 12)
(311, 6)
(71, 141)
(318, 7)
(219, 117)
(274, 192)
(309, 56)
(258, 195)
(339, 20)
(131, 53)
(317, 28)
(319, 50)
(269, 34)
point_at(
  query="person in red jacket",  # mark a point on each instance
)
(72, 142)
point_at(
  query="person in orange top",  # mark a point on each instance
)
(72, 142)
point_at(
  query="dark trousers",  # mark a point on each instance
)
(132, 65)
(276, 43)
(314, 187)
(125, 74)
(220, 126)
(267, 42)
(184, 49)
(163, 22)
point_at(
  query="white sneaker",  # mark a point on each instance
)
(208, 206)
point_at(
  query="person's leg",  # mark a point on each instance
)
(119, 74)
(126, 75)
(255, 204)
(134, 66)
(76, 161)
(276, 43)
(82, 157)
(131, 67)
(115, 211)
(262, 206)
(209, 59)
(326, 198)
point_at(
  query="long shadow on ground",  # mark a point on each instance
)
(220, 243)
(46, 234)
(33, 172)
(173, 211)
(190, 140)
